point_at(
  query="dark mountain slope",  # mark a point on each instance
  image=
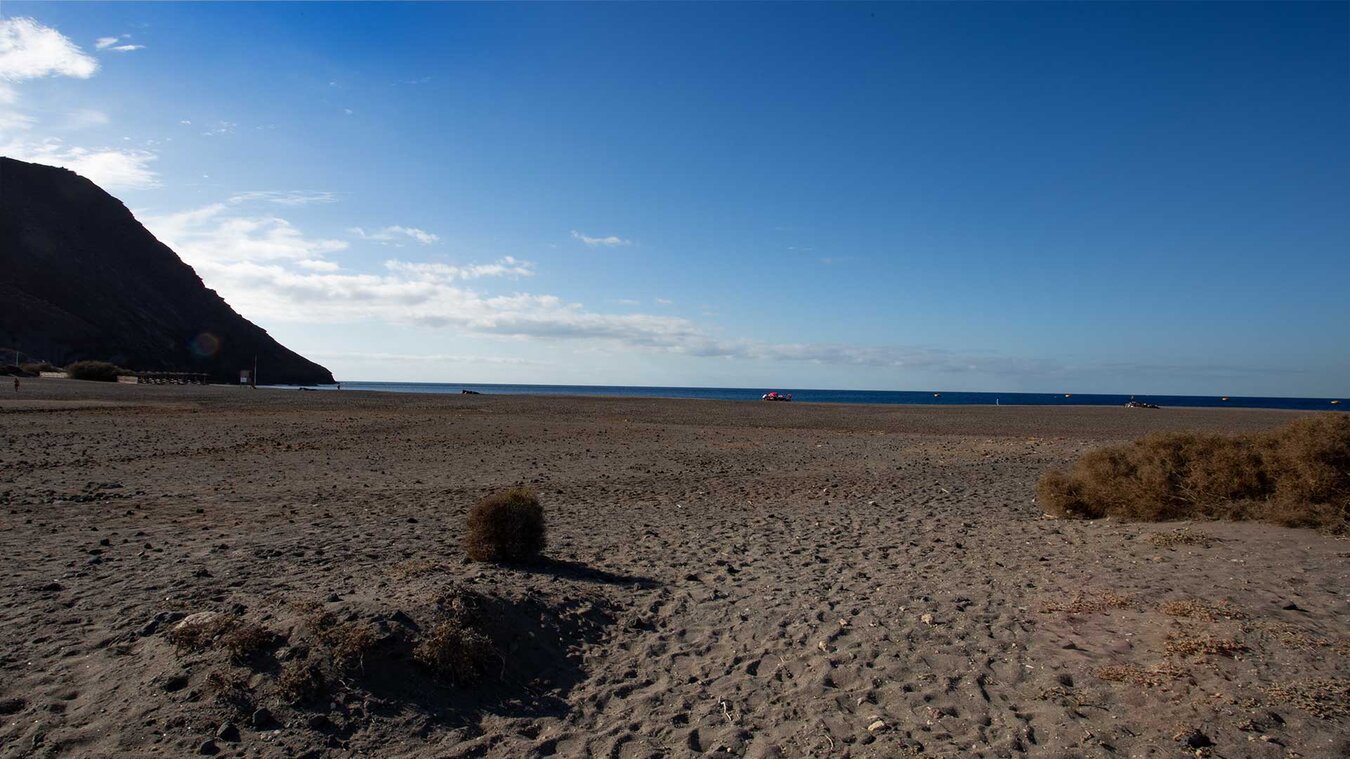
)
(80, 278)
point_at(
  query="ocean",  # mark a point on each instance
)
(903, 397)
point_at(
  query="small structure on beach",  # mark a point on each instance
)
(172, 378)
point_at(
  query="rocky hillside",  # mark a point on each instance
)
(80, 278)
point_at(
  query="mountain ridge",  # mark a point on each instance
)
(81, 278)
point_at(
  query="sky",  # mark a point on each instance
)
(1087, 197)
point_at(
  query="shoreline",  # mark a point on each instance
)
(1292, 403)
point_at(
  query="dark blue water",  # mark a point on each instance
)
(857, 396)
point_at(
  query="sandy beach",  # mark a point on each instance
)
(724, 579)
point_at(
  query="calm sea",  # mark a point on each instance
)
(855, 396)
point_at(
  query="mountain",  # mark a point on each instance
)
(80, 278)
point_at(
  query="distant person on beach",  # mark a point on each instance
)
(16, 384)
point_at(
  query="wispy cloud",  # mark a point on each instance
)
(110, 43)
(85, 118)
(506, 267)
(283, 197)
(393, 235)
(430, 358)
(221, 129)
(608, 242)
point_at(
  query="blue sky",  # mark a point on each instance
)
(1094, 197)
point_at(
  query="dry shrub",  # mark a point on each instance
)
(1089, 603)
(1325, 697)
(1181, 538)
(247, 642)
(199, 634)
(1152, 677)
(1297, 475)
(456, 647)
(230, 687)
(417, 567)
(455, 651)
(506, 527)
(99, 371)
(1188, 645)
(300, 680)
(349, 644)
(1293, 636)
(1202, 610)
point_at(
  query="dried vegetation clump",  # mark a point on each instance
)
(247, 642)
(1191, 645)
(1183, 537)
(98, 371)
(506, 527)
(1324, 697)
(1297, 475)
(1206, 611)
(1152, 677)
(199, 632)
(457, 648)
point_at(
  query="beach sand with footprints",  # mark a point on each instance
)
(722, 579)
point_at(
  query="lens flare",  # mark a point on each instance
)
(205, 345)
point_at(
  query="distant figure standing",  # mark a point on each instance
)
(16, 384)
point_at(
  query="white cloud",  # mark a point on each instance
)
(506, 267)
(314, 264)
(394, 234)
(426, 358)
(185, 122)
(109, 168)
(664, 301)
(220, 129)
(212, 235)
(267, 269)
(29, 50)
(110, 43)
(609, 242)
(283, 197)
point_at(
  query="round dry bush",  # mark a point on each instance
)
(506, 527)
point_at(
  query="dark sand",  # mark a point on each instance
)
(745, 578)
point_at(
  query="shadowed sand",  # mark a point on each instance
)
(737, 578)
